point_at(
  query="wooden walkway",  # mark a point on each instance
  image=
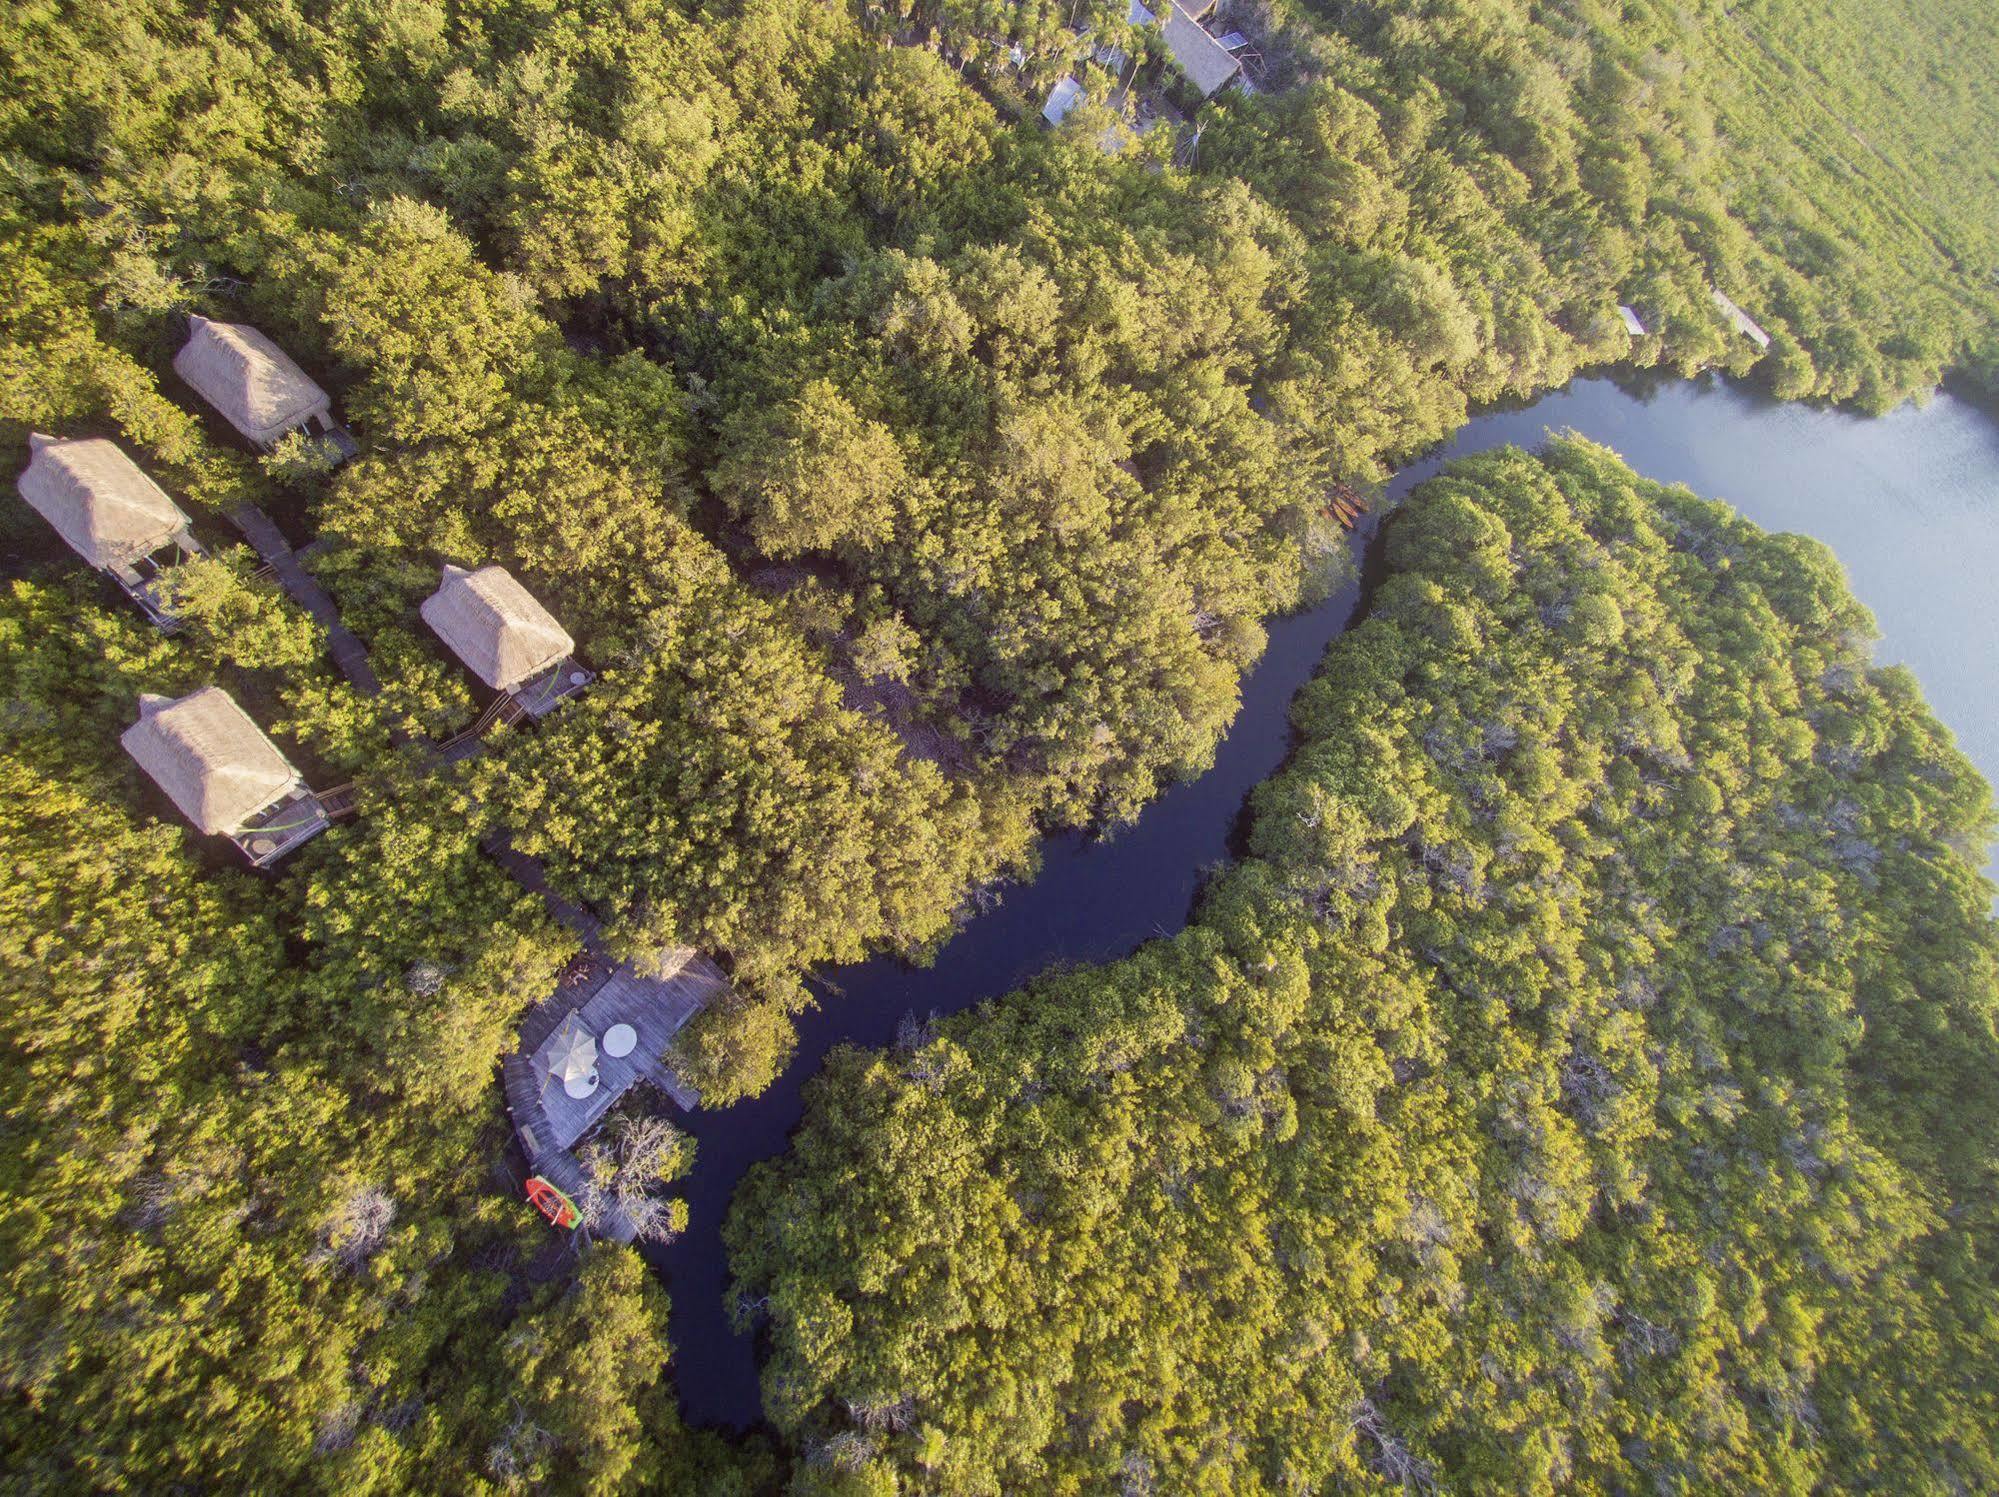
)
(471, 741)
(629, 995)
(348, 652)
(529, 874)
(547, 1121)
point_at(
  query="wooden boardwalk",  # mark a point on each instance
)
(348, 652)
(529, 874)
(548, 1122)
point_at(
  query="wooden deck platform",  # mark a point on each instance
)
(548, 1121)
(280, 827)
(545, 1116)
(550, 689)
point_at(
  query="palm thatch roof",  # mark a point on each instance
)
(249, 379)
(495, 626)
(1206, 62)
(212, 761)
(97, 499)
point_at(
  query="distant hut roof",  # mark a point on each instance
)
(1205, 61)
(212, 761)
(249, 379)
(1632, 324)
(1063, 97)
(495, 626)
(1744, 324)
(97, 499)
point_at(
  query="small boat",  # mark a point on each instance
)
(552, 1203)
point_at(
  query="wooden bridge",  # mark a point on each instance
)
(339, 803)
(463, 745)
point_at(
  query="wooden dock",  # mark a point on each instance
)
(545, 1116)
(548, 1122)
(609, 992)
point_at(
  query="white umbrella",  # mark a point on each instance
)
(573, 1058)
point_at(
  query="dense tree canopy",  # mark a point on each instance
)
(1587, 1081)
(913, 478)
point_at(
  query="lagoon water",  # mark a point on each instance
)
(1909, 502)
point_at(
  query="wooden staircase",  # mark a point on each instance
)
(339, 803)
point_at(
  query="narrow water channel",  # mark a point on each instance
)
(1910, 503)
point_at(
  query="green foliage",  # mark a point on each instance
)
(727, 1053)
(1586, 1082)
(811, 476)
(914, 479)
(582, 1355)
(237, 621)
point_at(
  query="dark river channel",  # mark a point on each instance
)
(1909, 502)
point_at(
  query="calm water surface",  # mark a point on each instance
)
(1909, 502)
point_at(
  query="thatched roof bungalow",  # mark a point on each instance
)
(222, 773)
(251, 381)
(1209, 66)
(98, 500)
(111, 514)
(504, 637)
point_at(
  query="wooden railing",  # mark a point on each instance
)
(340, 802)
(504, 709)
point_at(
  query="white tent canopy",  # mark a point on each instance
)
(249, 379)
(495, 626)
(98, 500)
(213, 762)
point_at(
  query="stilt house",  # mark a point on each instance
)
(223, 773)
(505, 638)
(256, 386)
(111, 513)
